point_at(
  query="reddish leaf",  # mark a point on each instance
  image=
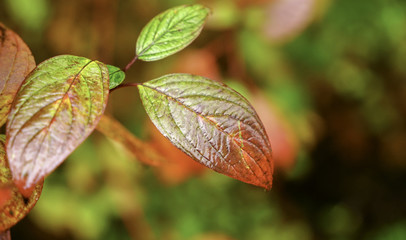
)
(16, 61)
(212, 123)
(57, 107)
(14, 205)
(5, 195)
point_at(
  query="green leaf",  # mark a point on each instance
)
(57, 107)
(212, 123)
(171, 31)
(13, 205)
(16, 61)
(116, 76)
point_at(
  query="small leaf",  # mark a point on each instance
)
(16, 61)
(116, 76)
(171, 31)
(212, 123)
(57, 107)
(14, 206)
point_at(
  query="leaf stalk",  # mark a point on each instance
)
(130, 63)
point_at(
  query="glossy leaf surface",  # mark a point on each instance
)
(116, 76)
(171, 31)
(57, 107)
(178, 167)
(14, 206)
(212, 123)
(16, 61)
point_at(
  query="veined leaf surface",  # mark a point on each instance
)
(171, 31)
(57, 107)
(14, 206)
(16, 61)
(212, 123)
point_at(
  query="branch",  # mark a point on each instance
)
(144, 152)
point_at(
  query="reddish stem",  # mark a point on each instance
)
(130, 63)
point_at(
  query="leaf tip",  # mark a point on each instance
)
(268, 185)
(202, 7)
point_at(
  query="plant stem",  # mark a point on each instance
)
(142, 151)
(130, 63)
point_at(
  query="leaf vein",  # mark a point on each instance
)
(191, 110)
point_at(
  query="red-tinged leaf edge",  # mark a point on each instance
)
(15, 206)
(5, 195)
(212, 123)
(16, 61)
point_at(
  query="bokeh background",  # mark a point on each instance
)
(328, 79)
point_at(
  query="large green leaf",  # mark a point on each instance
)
(57, 107)
(13, 205)
(171, 31)
(212, 123)
(16, 61)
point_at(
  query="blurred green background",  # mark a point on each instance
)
(328, 79)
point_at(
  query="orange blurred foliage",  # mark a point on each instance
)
(284, 142)
(199, 62)
(287, 18)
